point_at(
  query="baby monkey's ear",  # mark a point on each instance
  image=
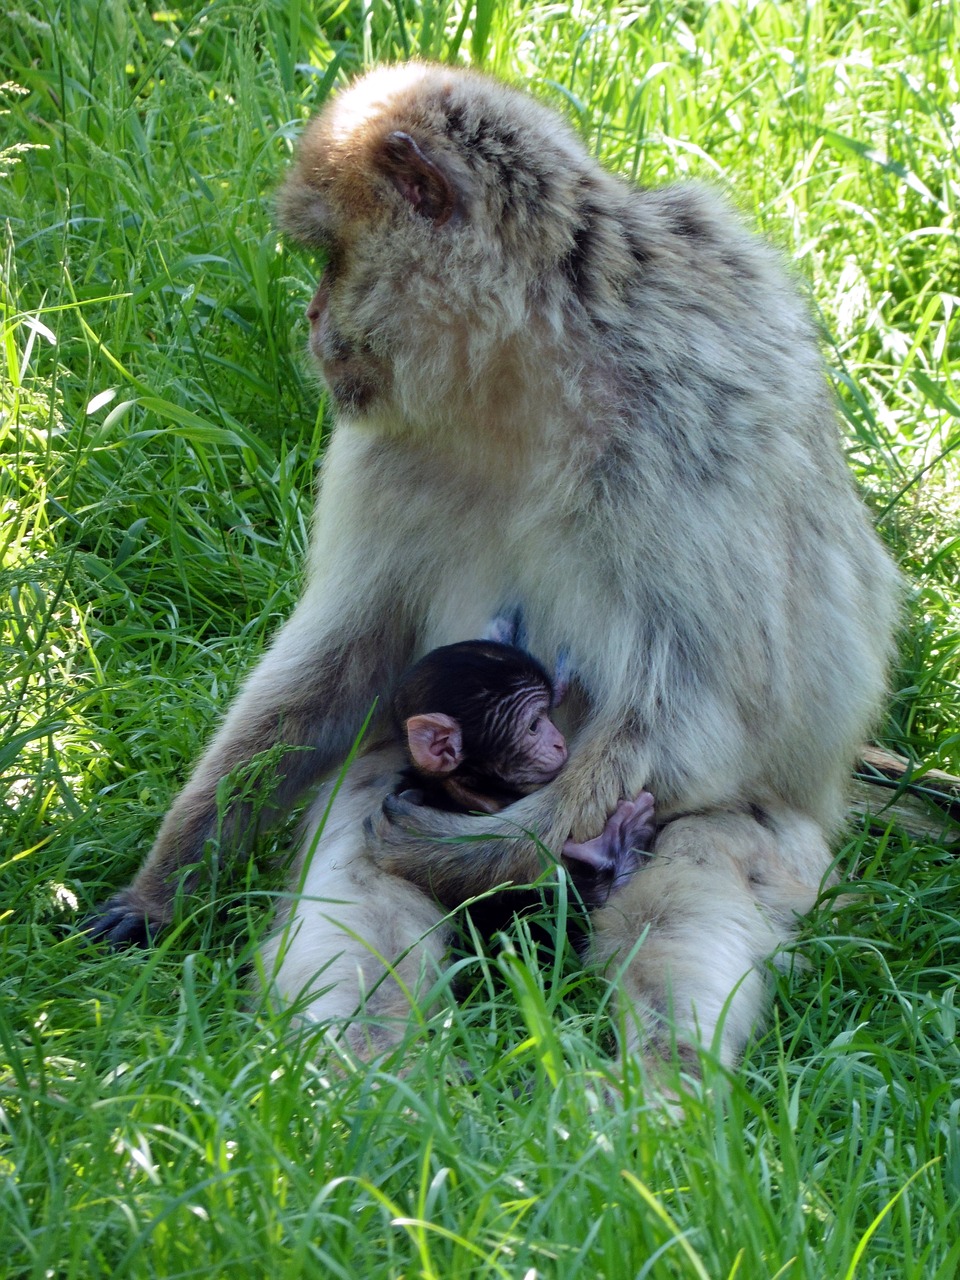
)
(420, 181)
(435, 743)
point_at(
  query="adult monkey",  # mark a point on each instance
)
(603, 405)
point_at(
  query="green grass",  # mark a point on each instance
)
(159, 436)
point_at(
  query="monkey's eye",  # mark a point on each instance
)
(534, 724)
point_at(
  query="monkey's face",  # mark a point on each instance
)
(429, 202)
(352, 371)
(536, 750)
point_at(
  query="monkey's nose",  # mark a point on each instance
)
(318, 305)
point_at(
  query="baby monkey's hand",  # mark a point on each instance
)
(616, 852)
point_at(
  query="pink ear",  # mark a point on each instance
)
(434, 742)
(421, 182)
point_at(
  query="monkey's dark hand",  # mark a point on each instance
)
(617, 851)
(121, 923)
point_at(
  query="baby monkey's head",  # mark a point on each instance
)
(481, 708)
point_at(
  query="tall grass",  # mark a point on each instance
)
(160, 435)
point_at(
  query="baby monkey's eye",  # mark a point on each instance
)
(534, 724)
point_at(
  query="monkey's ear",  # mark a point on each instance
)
(435, 743)
(422, 184)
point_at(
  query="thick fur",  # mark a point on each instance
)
(351, 950)
(604, 406)
(721, 895)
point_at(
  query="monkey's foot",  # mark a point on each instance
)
(120, 923)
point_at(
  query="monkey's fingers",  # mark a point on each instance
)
(645, 802)
(599, 853)
(633, 838)
(120, 923)
(589, 798)
(590, 853)
(604, 851)
(637, 829)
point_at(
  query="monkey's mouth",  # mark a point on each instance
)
(353, 375)
(329, 348)
(537, 778)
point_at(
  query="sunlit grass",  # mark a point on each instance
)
(159, 436)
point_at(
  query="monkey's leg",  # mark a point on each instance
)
(359, 957)
(718, 895)
(357, 948)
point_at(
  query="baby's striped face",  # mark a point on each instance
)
(526, 749)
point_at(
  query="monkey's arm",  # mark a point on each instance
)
(616, 851)
(454, 857)
(303, 703)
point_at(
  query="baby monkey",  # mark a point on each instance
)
(475, 720)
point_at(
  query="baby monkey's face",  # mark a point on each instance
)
(534, 750)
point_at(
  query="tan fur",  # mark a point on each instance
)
(354, 950)
(606, 406)
(720, 895)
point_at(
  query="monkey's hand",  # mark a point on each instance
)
(617, 851)
(122, 922)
